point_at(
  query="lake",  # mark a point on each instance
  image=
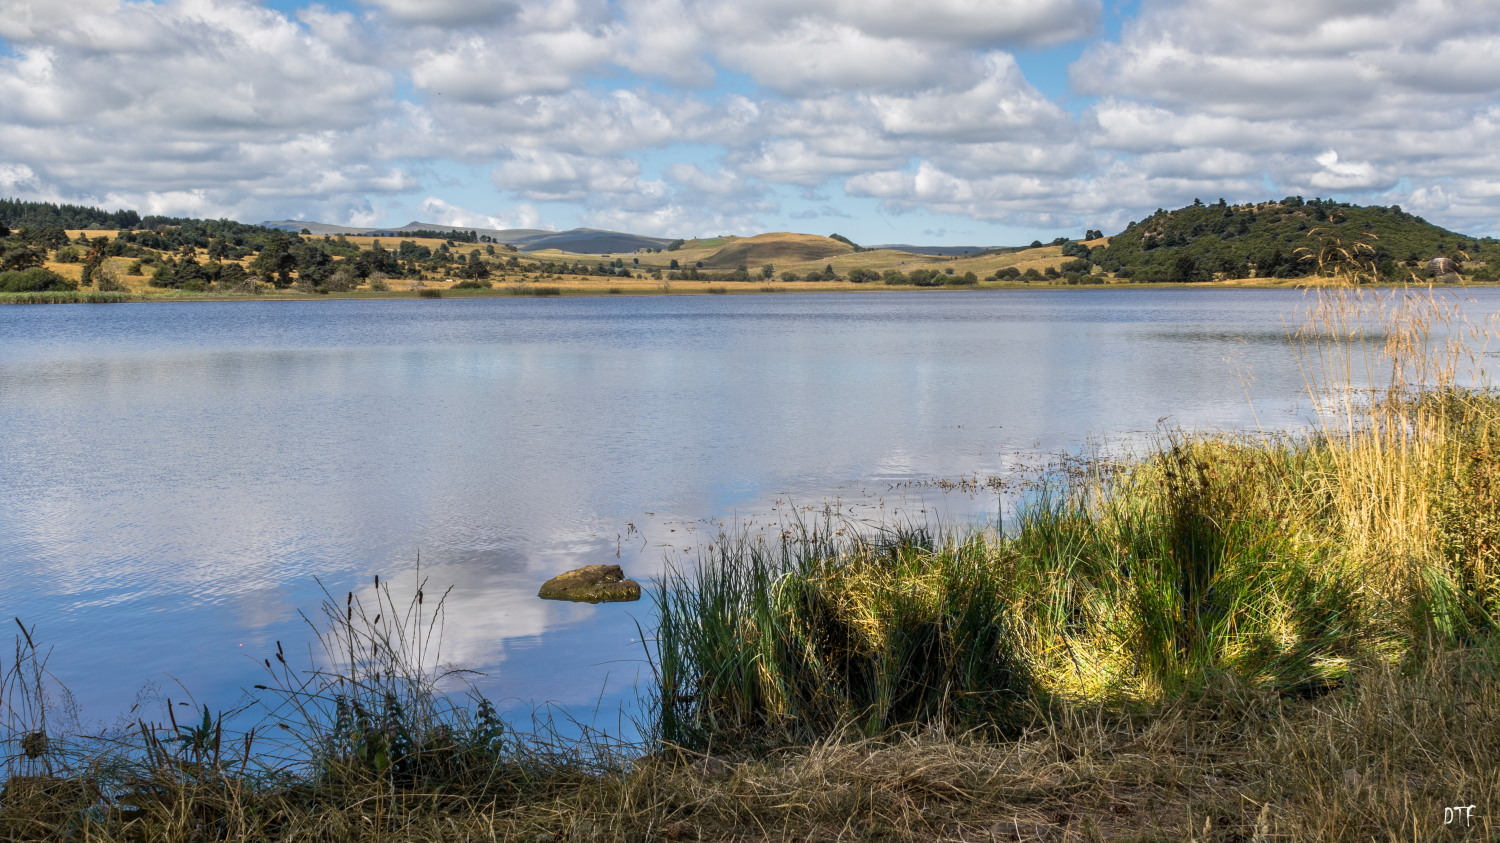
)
(177, 479)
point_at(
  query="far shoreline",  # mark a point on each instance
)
(690, 289)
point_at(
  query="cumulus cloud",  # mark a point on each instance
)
(1347, 97)
(972, 24)
(1008, 197)
(447, 11)
(810, 55)
(1344, 176)
(16, 179)
(26, 19)
(547, 176)
(994, 103)
(212, 106)
(674, 220)
(476, 68)
(607, 110)
(445, 213)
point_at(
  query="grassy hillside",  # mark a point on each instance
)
(776, 248)
(1281, 240)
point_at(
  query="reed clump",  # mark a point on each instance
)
(1275, 564)
(66, 297)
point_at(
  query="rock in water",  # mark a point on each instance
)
(592, 584)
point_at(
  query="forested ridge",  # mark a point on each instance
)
(1280, 239)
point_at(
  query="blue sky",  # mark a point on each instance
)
(976, 122)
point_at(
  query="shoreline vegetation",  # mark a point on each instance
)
(1237, 637)
(60, 254)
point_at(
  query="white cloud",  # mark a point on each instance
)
(442, 212)
(1013, 198)
(191, 106)
(811, 55)
(693, 177)
(665, 42)
(975, 23)
(673, 220)
(799, 46)
(447, 11)
(229, 107)
(1330, 96)
(967, 24)
(16, 179)
(547, 176)
(22, 20)
(1344, 176)
(481, 69)
(998, 103)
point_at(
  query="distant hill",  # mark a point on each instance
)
(580, 240)
(776, 248)
(1201, 242)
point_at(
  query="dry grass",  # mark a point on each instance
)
(1377, 762)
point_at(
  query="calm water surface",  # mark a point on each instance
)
(173, 477)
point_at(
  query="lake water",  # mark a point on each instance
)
(173, 477)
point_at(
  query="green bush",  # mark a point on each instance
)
(35, 280)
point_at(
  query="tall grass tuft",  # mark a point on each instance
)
(828, 630)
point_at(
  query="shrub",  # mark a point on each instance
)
(34, 280)
(341, 281)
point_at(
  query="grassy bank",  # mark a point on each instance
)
(1228, 638)
(1281, 566)
(65, 297)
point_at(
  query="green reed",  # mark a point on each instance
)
(65, 297)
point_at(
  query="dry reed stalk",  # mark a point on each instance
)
(1367, 357)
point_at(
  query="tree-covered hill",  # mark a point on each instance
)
(17, 213)
(1203, 242)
